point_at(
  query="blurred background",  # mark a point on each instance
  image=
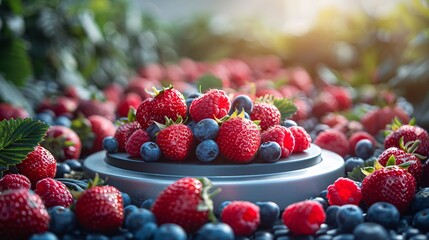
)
(48, 45)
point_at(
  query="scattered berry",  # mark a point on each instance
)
(348, 217)
(206, 129)
(63, 220)
(370, 230)
(214, 231)
(383, 213)
(212, 104)
(344, 191)
(170, 231)
(14, 181)
(175, 141)
(268, 114)
(207, 151)
(269, 213)
(302, 139)
(334, 141)
(110, 144)
(53, 193)
(135, 142)
(242, 216)
(281, 135)
(39, 164)
(304, 218)
(364, 149)
(270, 151)
(62, 169)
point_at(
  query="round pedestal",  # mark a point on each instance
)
(289, 180)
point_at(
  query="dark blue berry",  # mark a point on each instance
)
(383, 213)
(146, 232)
(110, 144)
(194, 95)
(421, 200)
(263, 235)
(63, 220)
(323, 194)
(331, 215)
(207, 151)
(322, 202)
(353, 162)
(411, 232)
(62, 169)
(213, 231)
(421, 220)
(129, 209)
(240, 103)
(137, 219)
(348, 217)
(152, 131)
(74, 164)
(320, 128)
(289, 123)
(222, 206)
(43, 236)
(44, 117)
(62, 121)
(269, 213)
(370, 230)
(147, 204)
(270, 151)
(364, 149)
(169, 231)
(206, 129)
(191, 124)
(126, 199)
(96, 236)
(150, 151)
(344, 236)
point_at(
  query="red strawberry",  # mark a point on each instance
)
(266, 112)
(63, 143)
(135, 142)
(22, 214)
(39, 164)
(356, 137)
(408, 132)
(101, 127)
(302, 139)
(9, 111)
(167, 102)
(389, 184)
(212, 104)
(377, 119)
(344, 191)
(304, 218)
(175, 140)
(186, 203)
(242, 216)
(123, 133)
(100, 209)
(281, 135)
(59, 105)
(96, 107)
(334, 141)
(130, 100)
(238, 138)
(14, 181)
(53, 193)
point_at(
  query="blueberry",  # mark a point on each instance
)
(240, 103)
(169, 231)
(364, 149)
(137, 219)
(126, 199)
(194, 95)
(146, 232)
(129, 209)
(269, 213)
(344, 236)
(353, 162)
(63, 220)
(263, 235)
(153, 130)
(322, 201)
(150, 152)
(411, 232)
(383, 213)
(370, 230)
(147, 204)
(191, 124)
(348, 217)
(288, 123)
(96, 236)
(110, 144)
(74, 164)
(320, 128)
(62, 169)
(62, 121)
(43, 236)
(323, 194)
(222, 206)
(207, 151)
(421, 220)
(270, 151)
(213, 231)
(331, 215)
(44, 117)
(206, 129)
(421, 200)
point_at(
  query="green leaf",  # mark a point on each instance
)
(18, 137)
(15, 6)
(357, 175)
(11, 94)
(286, 107)
(14, 62)
(209, 81)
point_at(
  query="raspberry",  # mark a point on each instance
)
(344, 191)
(268, 114)
(14, 181)
(123, 133)
(212, 104)
(53, 193)
(302, 139)
(281, 135)
(333, 140)
(242, 216)
(356, 137)
(135, 141)
(304, 218)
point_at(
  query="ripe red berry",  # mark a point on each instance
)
(344, 191)
(356, 137)
(175, 141)
(268, 115)
(302, 139)
(53, 193)
(212, 104)
(304, 218)
(281, 135)
(242, 216)
(334, 141)
(123, 133)
(39, 164)
(14, 181)
(135, 141)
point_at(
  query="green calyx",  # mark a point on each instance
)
(155, 92)
(207, 193)
(83, 128)
(411, 147)
(396, 124)
(96, 181)
(235, 114)
(56, 145)
(391, 163)
(131, 117)
(285, 106)
(169, 122)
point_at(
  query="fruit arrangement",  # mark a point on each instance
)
(247, 119)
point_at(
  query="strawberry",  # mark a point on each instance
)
(264, 111)
(96, 107)
(356, 137)
(242, 216)
(60, 105)
(9, 111)
(333, 140)
(130, 100)
(101, 127)
(63, 143)
(53, 193)
(408, 132)
(212, 104)
(38, 164)
(185, 202)
(302, 139)
(22, 214)
(378, 118)
(123, 133)
(238, 138)
(175, 140)
(100, 209)
(304, 218)
(167, 102)
(135, 142)
(14, 181)
(391, 184)
(281, 135)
